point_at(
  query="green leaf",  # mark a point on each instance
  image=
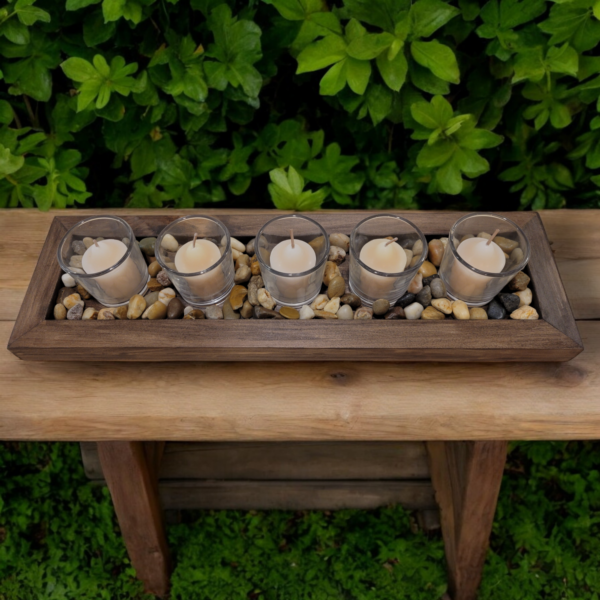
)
(427, 16)
(79, 69)
(439, 59)
(321, 54)
(6, 113)
(358, 73)
(77, 4)
(448, 178)
(478, 139)
(529, 64)
(8, 162)
(369, 46)
(29, 14)
(574, 23)
(435, 155)
(334, 80)
(393, 71)
(286, 191)
(113, 9)
(15, 31)
(563, 59)
(434, 114)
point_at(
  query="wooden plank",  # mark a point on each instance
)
(295, 495)
(283, 460)
(466, 478)
(133, 492)
(301, 401)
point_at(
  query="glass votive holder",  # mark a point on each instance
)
(296, 288)
(87, 261)
(210, 245)
(478, 286)
(370, 284)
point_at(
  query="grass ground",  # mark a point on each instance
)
(59, 539)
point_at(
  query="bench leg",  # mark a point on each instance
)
(130, 470)
(466, 477)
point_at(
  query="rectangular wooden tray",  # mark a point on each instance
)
(554, 337)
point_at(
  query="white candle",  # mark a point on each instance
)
(199, 255)
(385, 256)
(481, 255)
(121, 283)
(293, 256)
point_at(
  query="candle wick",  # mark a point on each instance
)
(391, 242)
(292, 237)
(194, 242)
(493, 236)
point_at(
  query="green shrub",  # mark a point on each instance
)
(374, 103)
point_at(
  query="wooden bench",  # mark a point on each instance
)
(345, 434)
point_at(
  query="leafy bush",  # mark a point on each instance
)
(375, 104)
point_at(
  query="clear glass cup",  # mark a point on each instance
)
(292, 289)
(474, 286)
(113, 286)
(211, 285)
(368, 283)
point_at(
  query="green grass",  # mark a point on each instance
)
(59, 539)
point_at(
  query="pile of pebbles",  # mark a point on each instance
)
(425, 299)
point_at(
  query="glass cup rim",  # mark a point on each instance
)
(411, 270)
(317, 266)
(185, 218)
(512, 272)
(84, 275)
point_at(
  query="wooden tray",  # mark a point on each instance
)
(554, 337)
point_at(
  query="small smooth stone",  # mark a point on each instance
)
(427, 269)
(147, 245)
(317, 243)
(169, 243)
(478, 314)
(460, 310)
(306, 313)
(256, 282)
(228, 312)
(415, 260)
(120, 312)
(289, 313)
(525, 297)
(175, 309)
(165, 296)
(62, 294)
(331, 272)
(106, 314)
(154, 268)
(187, 310)
(431, 314)
(78, 247)
(380, 307)
(235, 253)
(443, 305)
(68, 281)
(188, 317)
(409, 256)
(98, 239)
(414, 311)
(424, 296)
(336, 287)
(151, 298)
(417, 248)
(87, 242)
(352, 300)
(238, 295)
(428, 280)
(364, 313)
(341, 240)
(345, 313)
(237, 245)
(265, 299)
(507, 245)
(395, 313)
(519, 282)
(195, 313)
(214, 312)
(90, 314)
(319, 302)
(250, 247)
(332, 306)
(163, 278)
(75, 261)
(516, 256)
(157, 311)
(60, 312)
(436, 251)
(496, 310)
(242, 260)
(336, 254)
(265, 313)
(510, 301)
(243, 274)
(85, 295)
(484, 235)
(154, 285)
(255, 266)
(76, 312)
(468, 236)
(323, 314)
(438, 289)
(71, 300)
(444, 241)
(407, 299)
(136, 307)
(247, 310)
(525, 313)
(416, 285)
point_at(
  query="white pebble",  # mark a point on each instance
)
(413, 311)
(236, 253)
(68, 281)
(75, 261)
(525, 297)
(319, 302)
(187, 310)
(237, 245)
(87, 241)
(332, 306)
(76, 270)
(345, 313)
(265, 299)
(165, 296)
(306, 312)
(125, 241)
(444, 241)
(170, 243)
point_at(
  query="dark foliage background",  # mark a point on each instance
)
(387, 104)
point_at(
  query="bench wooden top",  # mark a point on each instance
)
(303, 401)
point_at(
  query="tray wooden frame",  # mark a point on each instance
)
(552, 338)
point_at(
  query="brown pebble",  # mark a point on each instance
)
(436, 251)
(247, 311)
(289, 312)
(237, 296)
(154, 285)
(120, 312)
(71, 301)
(255, 266)
(260, 312)
(506, 244)
(85, 295)
(106, 314)
(158, 310)
(331, 271)
(62, 294)
(195, 314)
(242, 260)
(136, 306)
(478, 314)
(352, 299)
(519, 282)
(430, 314)
(154, 268)
(175, 309)
(323, 314)
(336, 287)
(60, 312)
(163, 278)
(427, 269)
(396, 313)
(228, 312)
